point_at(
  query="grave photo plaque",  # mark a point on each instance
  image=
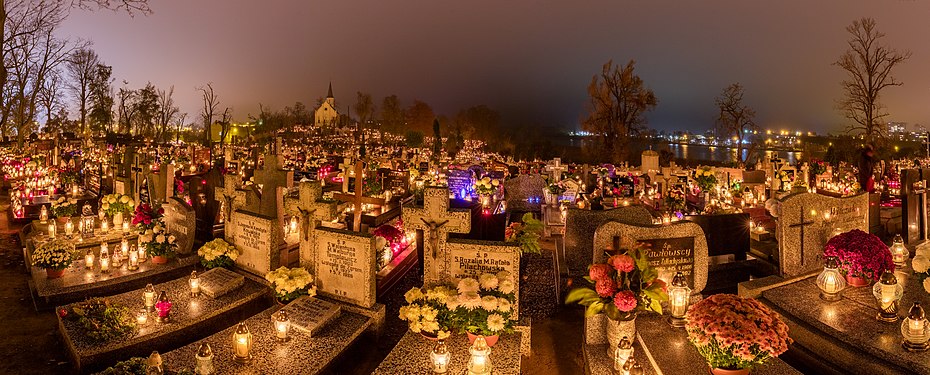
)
(310, 314)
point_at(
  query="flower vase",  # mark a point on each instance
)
(52, 273)
(616, 330)
(856, 282)
(491, 340)
(118, 220)
(551, 199)
(158, 259)
(723, 371)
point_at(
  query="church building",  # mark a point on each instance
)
(326, 114)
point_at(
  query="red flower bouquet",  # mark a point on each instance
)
(145, 217)
(733, 332)
(860, 254)
(623, 286)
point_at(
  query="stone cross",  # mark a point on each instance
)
(555, 169)
(344, 166)
(271, 177)
(312, 209)
(358, 198)
(437, 220)
(231, 198)
(800, 225)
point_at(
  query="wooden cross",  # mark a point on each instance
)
(438, 220)
(358, 198)
(801, 226)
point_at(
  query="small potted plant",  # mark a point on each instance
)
(159, 244)
(705, 178)
(526, 233)
(863, 257)
(484, 306)
(621, 288)
(115, 205)
(553, 192)
(675, 200)
(55, 256)
(63, 209)
(218, 253)
(735, 334)
(291, 283)
(427, 311)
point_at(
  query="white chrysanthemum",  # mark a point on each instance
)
(920, 264)
(402, 313)
(495, 322)
(927, 284)
(503, 305)
(470, 300)
(489, 303)
(413, 313)
(468, 285)
(504, 275)
(506, 286)
(428, 313)
(160, 238)
(415, 326)
(452, 302)
(488, 281)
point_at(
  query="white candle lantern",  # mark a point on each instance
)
(282, 324)
(899, 252)
(51, 230)
(204, 359)
(915, 330)
(242, 343)
(887, 292)
(148, 297)
(43, 215)
(194, 283)
(104, 227)
(440, 357)
(89, 259)
(831, 282)
(480, 361)
(679, 295)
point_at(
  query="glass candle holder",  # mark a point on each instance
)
(43, 215)
(104, 227)
(148, 297)
(830, 281)
(282, 324)
(623, 352)
(915, 330)
(204, 359)
(142, 317)
(89, 260)
(887, 293)
(679, 295)
(899, 252)
(51, 230)
(69, 228)
(194, 282)
(133, 261)
(242, 343)
(440, 357)
(163, 308)
(480, 361)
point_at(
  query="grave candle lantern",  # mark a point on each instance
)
(282, 324)
(679, 295)
(293, 225)
(899, 252)
(480, 361)
(440, 357)
(124, 246)
(915, 330)
(142, 317)
(242, 343)
(887, 292)
(89, 259)
(148, 297)
(74, 190)
(133, 260)
(117, 261)
(204, 359)
(125, 227)
(104, 227)
(163, 306)
(43, 215)
(104, 257)
(194, 282)
(623, 352)
(51, 230)
(830, 281)
(69, 228)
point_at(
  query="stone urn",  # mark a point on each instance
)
(616, 330)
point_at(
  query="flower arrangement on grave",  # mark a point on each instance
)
(603, 172)
(921, 266)
(159, 243)
(291, 283)
(817, 167)
(54, 256)
(64, 208)
(69, 176)
(863, 257)
(486, 186)
(372, 184)
(392, 242)
(849, 184)
(526, 233)
(145, 217)
(428, 312)
(736, 333)
(555, 189)
(100, 320)
(484, 305)
(786, 180)
(675, 199)
(706, 178)
(218, 253)
(116, 203)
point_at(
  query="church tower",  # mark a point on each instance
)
(326, 114)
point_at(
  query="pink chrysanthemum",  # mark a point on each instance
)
(599, 272)
(622, 262)
(605, 288)
(625, 301)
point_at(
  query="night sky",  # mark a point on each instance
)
(531, 60)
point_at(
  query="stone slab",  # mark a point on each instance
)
(219, 281)
(79, 283)
(311, 314)
(301, 354)
(411, 355)
(834, 330)
(189, 316)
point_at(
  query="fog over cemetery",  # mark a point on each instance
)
(352, 234)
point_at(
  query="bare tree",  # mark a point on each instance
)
(868, 65)
(125, 109)
(167, 111)
(617, 104)
(101, 99)
(180, 124)
(81, 67)
(225, 122)
(49, 94)
(208, 111)
(364, 108)
(735, 118)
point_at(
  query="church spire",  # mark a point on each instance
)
(330, 93)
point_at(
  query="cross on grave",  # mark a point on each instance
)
(358, 198)
(310, 206)
(344, 166)
(231, 198)
(436, 219)
(801, 226)
(271, 177)
(555, 169)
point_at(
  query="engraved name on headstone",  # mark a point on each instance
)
(344, 266)
(311, 314)
(219, 281)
